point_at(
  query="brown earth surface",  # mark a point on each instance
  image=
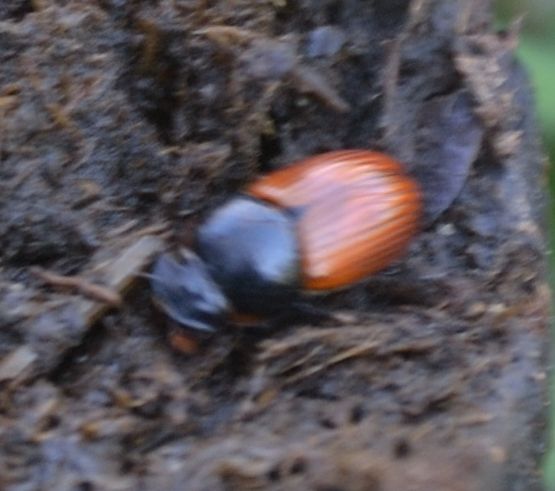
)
(122, 123)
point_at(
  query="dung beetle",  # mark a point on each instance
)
(323, 223)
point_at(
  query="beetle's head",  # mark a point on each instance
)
(183, 289)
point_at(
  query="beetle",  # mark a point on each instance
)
(323, 223)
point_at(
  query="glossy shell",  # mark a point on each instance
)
(250, 249)
(355, 212)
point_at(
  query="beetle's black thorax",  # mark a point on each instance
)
(251, 251)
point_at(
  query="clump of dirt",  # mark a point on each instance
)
(123, 123)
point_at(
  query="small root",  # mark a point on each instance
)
(91, 290)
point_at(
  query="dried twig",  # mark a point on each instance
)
(96, 292)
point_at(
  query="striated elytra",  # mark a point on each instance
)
(320, 224)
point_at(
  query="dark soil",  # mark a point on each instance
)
(122, 123)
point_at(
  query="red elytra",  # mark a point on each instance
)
(356, 212)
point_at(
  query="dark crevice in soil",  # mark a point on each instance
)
(270, 148)
(74, 361)
(15, 10)
(237, 364)
(153, 77)
(392, 14)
